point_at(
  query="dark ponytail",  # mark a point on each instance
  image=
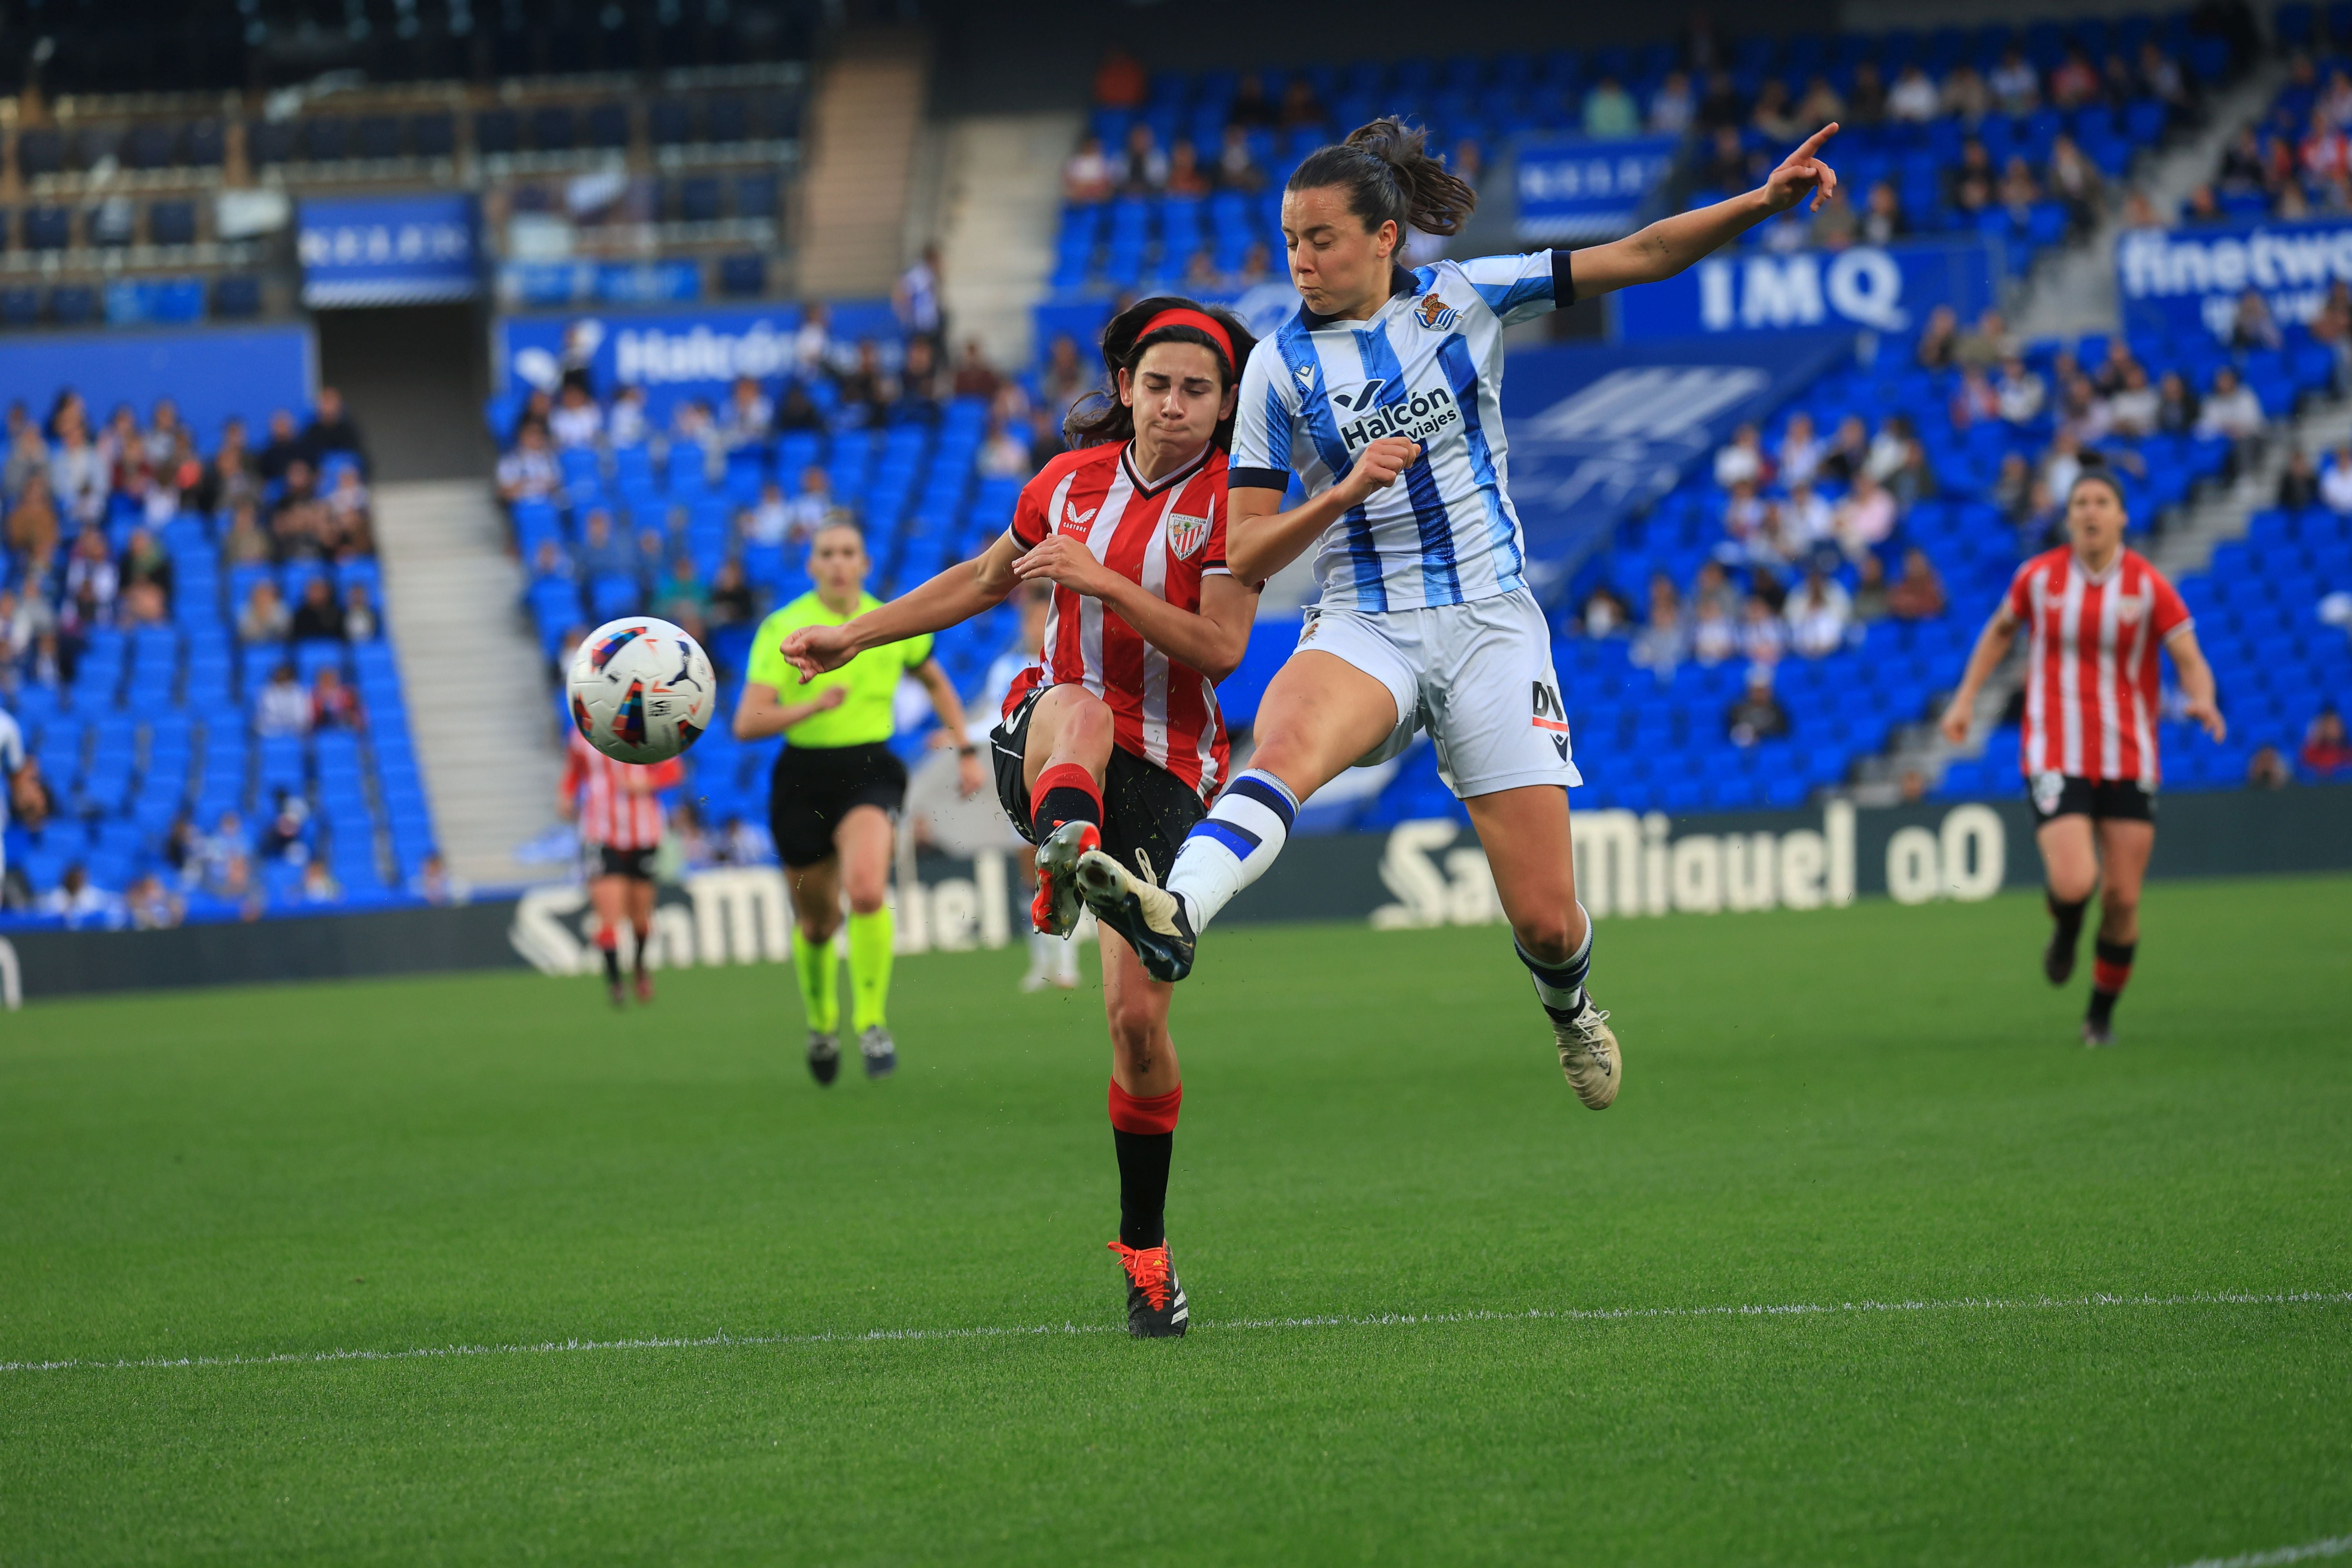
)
(1099, 416)
(1389, 177)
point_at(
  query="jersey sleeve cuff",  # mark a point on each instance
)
(1563, 279)
(1257, 479)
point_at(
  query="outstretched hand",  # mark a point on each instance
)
(1800, 174)
(2207, 715)
(812, 650)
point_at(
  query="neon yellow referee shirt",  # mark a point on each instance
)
(872, 678)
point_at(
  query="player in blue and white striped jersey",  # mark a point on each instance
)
(1383, 396)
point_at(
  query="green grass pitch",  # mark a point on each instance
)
(1870, 1105)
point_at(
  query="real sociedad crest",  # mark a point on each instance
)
(1185, 534)
(1435, 313)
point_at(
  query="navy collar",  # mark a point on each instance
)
(1399, 283)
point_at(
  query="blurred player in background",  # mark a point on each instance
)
(835, 797)
(1112, 740)
(618, 808)
(1383, 395)
(1053, 959)
(2096, 613)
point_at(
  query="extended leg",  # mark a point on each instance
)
(2071, 870)
(2125, 847)
(1146, 1088)
(1536, 879)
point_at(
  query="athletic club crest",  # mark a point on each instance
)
(1435, 313)
(2049, 789)
(1185, 534)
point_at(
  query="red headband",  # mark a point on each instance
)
(1181, 317)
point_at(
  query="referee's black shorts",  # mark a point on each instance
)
(2056, 794)
(814, 787)
(1145, 808)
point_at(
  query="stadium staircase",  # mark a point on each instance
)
(473, 677)
(864, 126)
(1003, 200)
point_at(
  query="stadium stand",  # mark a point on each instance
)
(194, 652)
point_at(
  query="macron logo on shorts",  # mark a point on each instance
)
(1551, 718)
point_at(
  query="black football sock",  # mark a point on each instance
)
(2069, 919)
(2110, 972)
(1143, 1160)
(644, 939)
(613, 966)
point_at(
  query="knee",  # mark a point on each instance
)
(866, 894)
(1134, 1032)
(1552, 936)
(2119, 905)
(819, 928)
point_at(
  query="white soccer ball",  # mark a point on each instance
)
(642, 691)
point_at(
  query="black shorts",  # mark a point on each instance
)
(814, 787)
(1145, 808)
(636, 865)
(2067, 794)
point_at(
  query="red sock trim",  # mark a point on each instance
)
(2110, 977)
(1068, 775)
(1131, 1113)
(606, 937)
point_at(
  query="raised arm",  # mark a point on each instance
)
(1671, 244)
(1992, 646)
(2200, 696)
(954, 597)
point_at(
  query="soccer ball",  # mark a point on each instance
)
(642, 691)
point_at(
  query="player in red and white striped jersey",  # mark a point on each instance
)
(2096, 614)
(1112, 740)
(620, 817)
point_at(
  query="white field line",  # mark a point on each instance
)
(2333, 1546)
(1380, 1320)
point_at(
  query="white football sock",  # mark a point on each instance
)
(1232, 846)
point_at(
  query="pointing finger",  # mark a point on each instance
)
(1812, 142)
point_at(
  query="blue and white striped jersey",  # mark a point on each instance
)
(1428, 366)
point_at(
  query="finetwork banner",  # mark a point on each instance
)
(1597, 433)
(2184, 280)
(1882, 288)
(389, 250)
(1572, 188)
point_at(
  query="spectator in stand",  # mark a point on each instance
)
(33, 521)
(2336, 481)
(1884, 223)
(1819, 615)
(1063, 379)
(2018, 190)
(2075, 82)
(2014, 86)
(1865, 519)
(814, 508)
(915, 298)
(1867, 103)
(281, 707)
(2298, 485)
(1870, 594)
(2202, 208)
(576, 420)
(1119, 81)
(1820, 105)
(1912, 98)
(1143, 171)
(2133, 409)
(1965, 95)
(1918, 593)
(1609, 111)
(1185, 175)
(28, 460)
(332, 429)
(975, 377)
(813, 349)
(2141, 212)
(333, 705)
(2252, 326)
(2076, 181)
(249, 544)
(1004, 453)
(732, 600)
(2245, 169)
(917, 401)
(798, 411)
(1671, 106)
(2232, 411)
(528, 472)
(2326, 154)
(1986, 344)
(1721, 107)
(748, 416)
(1714, 637)
(1798, 455)
(1301, 109)
(1762, 636)
(318, 618)
(626, 425)
(2021, 392)
(2062, 465)
(1938, 340)
(1974, 401)
(1663, 640)
(681, 597)
(359, 614)
(1834, 227)
(78, 474)
(1806, 522)
(1772, 117)
(1237, 167)
(1757, 715)
(82, 905)
(604, 551)
(1604, 614)
(769, 523)
(152, 906)
(286, 835)
(2267, 769)
(2176, 408)
(2325, 752)
(867, 390)
(1743, 461)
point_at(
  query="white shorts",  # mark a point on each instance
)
(1478, 677)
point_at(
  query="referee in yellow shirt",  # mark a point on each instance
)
(834, 800)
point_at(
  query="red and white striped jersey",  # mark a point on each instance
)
(1167, 537)
(609, 815)
(2091, 695)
